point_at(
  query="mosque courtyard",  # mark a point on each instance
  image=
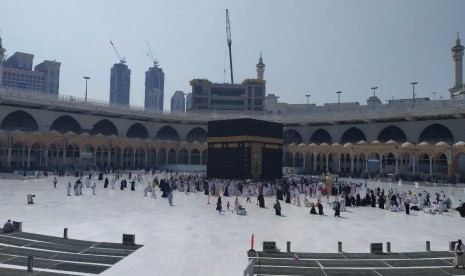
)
(192, 238)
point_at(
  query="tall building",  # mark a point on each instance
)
(188, 101)
(178, 102)
(458, 90)
(51, 70)
(16, 72)
(120, 84)
(154, 87)
(245, 97)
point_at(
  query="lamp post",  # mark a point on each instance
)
(86, 78)
(413, 92)
(434, 96)
(308, 97)
(338, 99)
(374, 95)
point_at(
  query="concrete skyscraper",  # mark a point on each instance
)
(16, 72)
(120, 84)
(178, 102)
(154, 87)
(458, 90)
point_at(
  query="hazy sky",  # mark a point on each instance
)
(309, 47)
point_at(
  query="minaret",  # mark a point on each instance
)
(457, 55)
(260, 68)
(2, 51)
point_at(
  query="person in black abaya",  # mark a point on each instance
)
(218, 205)
(261, 201)
(163, 185)
(122, 185)
(133, 185)
(337, 209)
(320, 208)
(205, 187)
(105, 185)
(461, 210)
(277, 208)
(381, 201)
(373, 199)
(279, 194)
(358, 201)
(347, 200)
(288, 196)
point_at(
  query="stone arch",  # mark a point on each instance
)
(162, 157)
(197, 134)
(195, 157)
(152, 157)
(292, 136)
(19, 120)
(183, 157)
(105, 127)
(435, 133)
(288, 160)
(321, 136)
(353, 135)
(203, 157)
(167, 133)
(298, 160)
(172, 157)
(392, 133)
(137, 130)
(66, 123)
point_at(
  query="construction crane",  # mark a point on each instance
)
(155, 61)
(121, 59)
(228, 34)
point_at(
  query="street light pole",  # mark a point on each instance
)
(374, 95)
(434, 96)
(413, 92)
(86, 78)
(308, 97)
(338, 99)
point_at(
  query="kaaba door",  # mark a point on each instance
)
(256, 160)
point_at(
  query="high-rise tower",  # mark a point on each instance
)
(154, 87)
(457, 54)
(120, 83)
(2, 51)
(260, 68)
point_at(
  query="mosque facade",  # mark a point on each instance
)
(422, 140)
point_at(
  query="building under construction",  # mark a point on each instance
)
(249, 96)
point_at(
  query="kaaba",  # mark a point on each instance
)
(245, 148)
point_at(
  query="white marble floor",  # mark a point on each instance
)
(191, 238)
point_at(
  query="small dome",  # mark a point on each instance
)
(375, 142)
(391, 142)
(312, 145)
(361, 142)
(407, 145)
(348, 145)
(195, 143)
(336, 144)
(459, 144)
(301, 145)
(442, 144)
(69, 133)
(292, 144)
(323, 145)
(424, 144)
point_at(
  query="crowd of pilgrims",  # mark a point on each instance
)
(314, 189)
